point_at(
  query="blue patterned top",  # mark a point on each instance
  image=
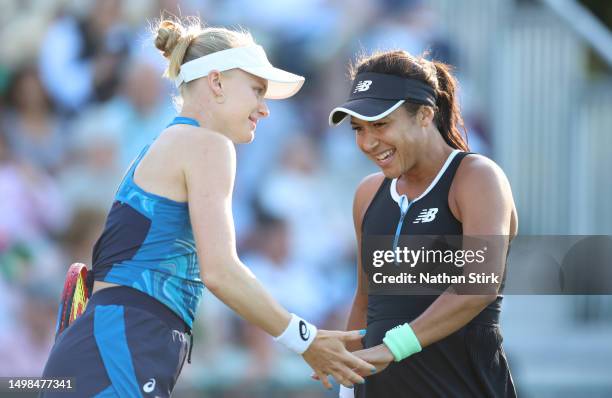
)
(148, 244)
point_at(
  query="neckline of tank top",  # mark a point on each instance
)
(398, 198)
(184, 120)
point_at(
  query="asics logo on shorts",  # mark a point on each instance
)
(149, 386)
(426, 215)
(363, 85)
(304, 332)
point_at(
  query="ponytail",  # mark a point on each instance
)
(448, 116)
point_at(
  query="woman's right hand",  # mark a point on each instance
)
(379, 356)
(327, 355)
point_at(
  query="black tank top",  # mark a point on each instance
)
(468, 363)
(428, 214)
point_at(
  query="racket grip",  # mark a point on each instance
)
(89, 282)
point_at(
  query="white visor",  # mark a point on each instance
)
(251, 59)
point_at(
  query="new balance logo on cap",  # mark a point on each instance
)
(363, 85)
(426, 215)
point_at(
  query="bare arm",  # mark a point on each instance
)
(209, 170)
(363, 197)
(209, 175)
(484, 201)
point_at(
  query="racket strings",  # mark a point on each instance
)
(79, 299)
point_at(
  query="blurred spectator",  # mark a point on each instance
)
(30, 281)
(479, 140)
(31, 204)
(257, 159)
(409, 25)
(294, 284)
(293, 191)
(299, 288)
(81, 58)
(10, 298)
(82, 234)
(25, 347)
(22, 28)
(95, 156)
(140, 111)
(34, 132)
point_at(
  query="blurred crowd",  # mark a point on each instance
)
(81, 93)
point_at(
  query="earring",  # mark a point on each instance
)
(219, 99)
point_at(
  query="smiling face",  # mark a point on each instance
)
(230, 102)
(243, 104)
(393, 142)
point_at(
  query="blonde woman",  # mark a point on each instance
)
(170, 233)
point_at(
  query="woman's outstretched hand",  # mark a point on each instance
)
(379, 356)
(327, 355)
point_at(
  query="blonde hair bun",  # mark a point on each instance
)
(183, 41)
(169, 34)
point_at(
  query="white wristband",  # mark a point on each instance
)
(346, 392)
(298, 336)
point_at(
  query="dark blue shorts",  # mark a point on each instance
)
(126, 344)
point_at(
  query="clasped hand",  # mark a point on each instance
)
(327, 355)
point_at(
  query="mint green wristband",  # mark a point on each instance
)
(402, 342)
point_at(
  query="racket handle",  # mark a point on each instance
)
(89, 282)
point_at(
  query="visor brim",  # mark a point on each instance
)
(281, 84)
(368, 109)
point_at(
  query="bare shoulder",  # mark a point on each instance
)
(368, 186)
(481, 191)
(189, 142)
(364, 194)
(200, 155)
(478, 172)
(197, 148)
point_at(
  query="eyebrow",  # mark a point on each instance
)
(352, 120)
(384, 119)
(263, 83)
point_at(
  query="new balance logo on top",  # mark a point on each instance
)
(426, 215)
(363, 85)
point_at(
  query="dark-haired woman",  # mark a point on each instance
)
(406, 118)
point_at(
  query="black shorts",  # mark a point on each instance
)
(469, 363)
(126, 344)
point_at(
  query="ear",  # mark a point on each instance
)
(425, 115)
(214, 82)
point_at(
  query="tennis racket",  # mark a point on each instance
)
(74, 297)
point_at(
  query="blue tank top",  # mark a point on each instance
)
(148, 244)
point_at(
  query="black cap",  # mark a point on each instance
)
(375, 95)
